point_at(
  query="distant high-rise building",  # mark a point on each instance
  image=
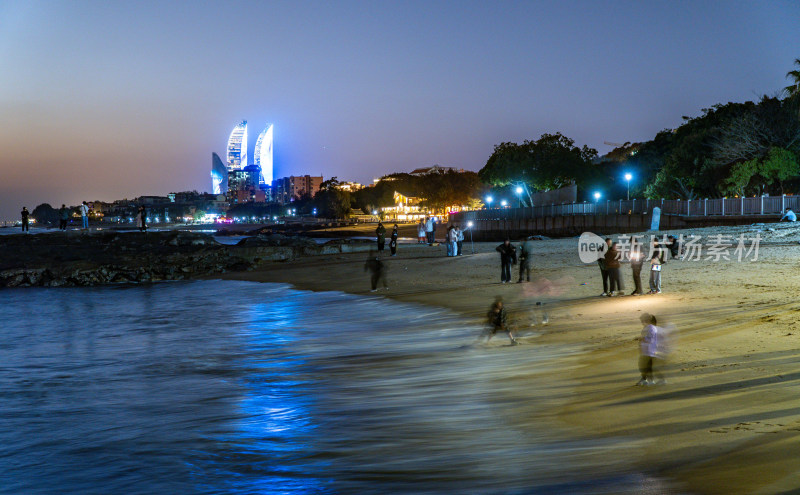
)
(263, 154)
(287, 189)
(237, 147)
(219, 175)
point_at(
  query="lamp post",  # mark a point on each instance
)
(472, 244)
(489, 200)
(628, 178)
(518, 190)
(597, 196)
(503, 203)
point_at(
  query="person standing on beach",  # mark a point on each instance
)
(393, 241)
(63, 217)
(637, 259)
(84, 209)
(380, 232)
(525, 252)
(451, 239)
(612, 267)
(497, 320)
(656, 263)
(429, 230)
(377, 271)
(421, 236)
(508, 255)
(24, 214)
(459, 240)
(649, 348)
(433, 231)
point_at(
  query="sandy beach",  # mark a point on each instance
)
(727, 421)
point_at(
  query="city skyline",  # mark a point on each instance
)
(107, 100)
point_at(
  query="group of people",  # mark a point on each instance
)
(380, 234)
(63, 217)
(508, 257)
(610, 265)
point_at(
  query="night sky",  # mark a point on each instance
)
(105, 100)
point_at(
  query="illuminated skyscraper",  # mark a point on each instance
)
(264, 155)
(237, 147)
(219, 175)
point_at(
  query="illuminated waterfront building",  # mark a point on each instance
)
(263, 154)
(237, 147)
(219, 175)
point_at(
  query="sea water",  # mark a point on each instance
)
(244, 388)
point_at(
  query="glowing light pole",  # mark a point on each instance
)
(519, 195)
(628, 178)
(472, 244)
(597, 196)
(489, 200)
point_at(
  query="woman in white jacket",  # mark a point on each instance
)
(649, 349)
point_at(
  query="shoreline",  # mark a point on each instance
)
(726, 421)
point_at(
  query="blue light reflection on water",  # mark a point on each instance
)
(236, 387)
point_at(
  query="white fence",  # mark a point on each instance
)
(764, 205)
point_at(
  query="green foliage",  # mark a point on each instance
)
(756, 175)
(332, 202)
(437, 190)
(551, 162)
(45, 214)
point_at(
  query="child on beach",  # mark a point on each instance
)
(497, 321)
(650, 349)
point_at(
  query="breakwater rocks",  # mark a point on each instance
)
(84, 259)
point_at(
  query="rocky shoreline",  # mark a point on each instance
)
(87, 259)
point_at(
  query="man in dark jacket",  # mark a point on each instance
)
(380, 232)
(525, 261)
(377, 271)
(63, 217)
(612, 266)
(508, 255)
(637, 259)
(24, 214)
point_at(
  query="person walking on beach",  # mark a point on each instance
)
(84, 209)
(525, 252)
(393, 241)
(459, 240)
(380, 232)
(63, 217)
(421, 236)
(497, 320)
(508, 255)
(377, 271)
(637, 259)
(656, 263)
(429, 230)
(25, 214)
(649, 351)
(612, 267)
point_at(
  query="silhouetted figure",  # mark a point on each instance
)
(637, 260)
(459, 240)
(497, 320)
(525, 252)
(377, 271)
(508, 255)
(63, 217)
(141, 219)
(24, 214)
(393, 241)
(612, 267)
(380, 233)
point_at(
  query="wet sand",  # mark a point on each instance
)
(728, 421)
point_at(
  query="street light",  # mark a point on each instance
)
(472, 244)
(519, 195)
(489, 200)
(628, 178)
(503, 203)
(597, 196)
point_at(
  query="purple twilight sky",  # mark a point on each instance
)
(110, 99)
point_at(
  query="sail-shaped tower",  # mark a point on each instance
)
(263, 154)
(219, 175)
(237, 147)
